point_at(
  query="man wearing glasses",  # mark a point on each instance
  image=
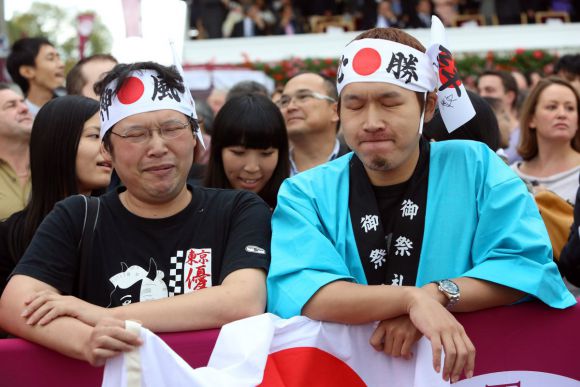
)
(157, 239)
(308, 104)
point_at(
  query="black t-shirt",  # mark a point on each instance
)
(389, 200)
(137, 259)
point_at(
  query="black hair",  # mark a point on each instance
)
(54, 142)
(24, 52)
(75, 81)
(483, 127)
(255, 122)
(568, 64)
(247, 87)
(122, 72)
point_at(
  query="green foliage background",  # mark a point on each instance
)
(58, 25)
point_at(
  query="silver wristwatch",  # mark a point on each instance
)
(451, 291)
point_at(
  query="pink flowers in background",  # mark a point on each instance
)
(283, 70)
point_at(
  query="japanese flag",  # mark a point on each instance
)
(266, 350)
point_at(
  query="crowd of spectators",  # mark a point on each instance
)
(244, 18)
(233, 193)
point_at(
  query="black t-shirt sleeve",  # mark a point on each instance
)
(248, 241)
(52, 256)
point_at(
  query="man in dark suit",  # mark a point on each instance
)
(251, 25)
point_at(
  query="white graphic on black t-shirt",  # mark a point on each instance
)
(135, 284)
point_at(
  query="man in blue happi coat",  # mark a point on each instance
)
(403, 231)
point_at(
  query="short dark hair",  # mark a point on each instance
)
(507, 80)
(58, 126)
(569, 64)
(75, 81)
(247, 87)
(528, 146)
(122, 71)
(252, 121)
(24, 52)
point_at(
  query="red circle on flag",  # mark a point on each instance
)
(366, 61)
(131, 91)
(307, 366)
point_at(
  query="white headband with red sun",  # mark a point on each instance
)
(379, 60)
(143, 91)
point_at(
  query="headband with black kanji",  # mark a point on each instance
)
(380, 60)
(143, 91)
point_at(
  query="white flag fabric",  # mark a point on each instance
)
(454, 104)
(267, 350)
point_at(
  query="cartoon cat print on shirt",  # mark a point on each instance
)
(135, 284)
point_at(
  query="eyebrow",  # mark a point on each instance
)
(92, 127)
(299, 91)
(167, 121)
(388, 94)
(570, 102)
(12, 102)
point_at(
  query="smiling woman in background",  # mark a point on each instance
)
(65, 160)
(249, 147)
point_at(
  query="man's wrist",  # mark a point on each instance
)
(434, 292)
(116, 313)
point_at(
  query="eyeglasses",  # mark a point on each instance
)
(301, 98)
(139, 135)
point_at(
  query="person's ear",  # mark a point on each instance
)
(27, 72)
(430, 105)
(334, 107)
(532, 124)
(108, 156)
(511, 96)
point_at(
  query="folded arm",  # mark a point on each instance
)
(66, 335)
(350, 303)
(242, 294)
(477, 294)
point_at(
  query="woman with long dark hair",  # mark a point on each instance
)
(65, 160)
(249, 147)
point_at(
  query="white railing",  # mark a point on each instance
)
(560, 38)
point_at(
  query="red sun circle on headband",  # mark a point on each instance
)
(131, 91)
(366, 61)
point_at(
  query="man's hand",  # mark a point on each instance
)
(44, 306)
(395, 337)
(445, 333)
(108, 339)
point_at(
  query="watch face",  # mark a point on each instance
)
(449, 287)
